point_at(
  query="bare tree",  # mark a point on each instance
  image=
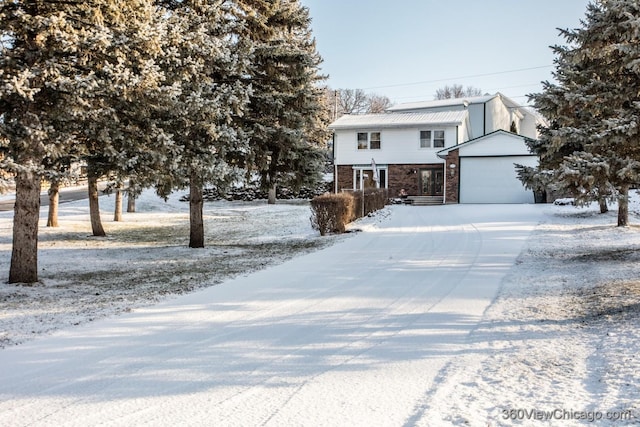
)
(378, 103)
(456, 91)
(352, 101)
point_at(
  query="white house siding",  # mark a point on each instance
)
(493, 180)
(487, 113)
(498, 116)
(487, 171)
(398, 146)
(476, 120)
(497, 144)
(529, 126)
(463, 131)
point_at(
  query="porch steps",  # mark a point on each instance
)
(426, 200)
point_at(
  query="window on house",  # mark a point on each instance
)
(431, 138)
(363, 176)
(363, 141)
(368, 140)
(374, 142)
(382, 178)
(425, 139)
(438, 139)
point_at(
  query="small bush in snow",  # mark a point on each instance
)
(330, 213)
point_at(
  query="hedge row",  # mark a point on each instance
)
(253, 192)
(330, 213)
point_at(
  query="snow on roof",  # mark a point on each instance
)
(442, 103)
(398, 119)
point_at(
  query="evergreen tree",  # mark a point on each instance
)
(592, 139)
(205, 67)
(287, 117)
(64, 67)
(39, 69)
(123, 135)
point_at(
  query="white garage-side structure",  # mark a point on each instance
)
(482, 170)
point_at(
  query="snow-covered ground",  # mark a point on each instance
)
(448, 315)
(142, 259)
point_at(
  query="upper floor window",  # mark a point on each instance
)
(438, 138)
(431, 138)
(425, 139)
(369, 140)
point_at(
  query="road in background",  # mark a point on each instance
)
(66, 195)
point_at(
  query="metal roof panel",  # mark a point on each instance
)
(398, 120)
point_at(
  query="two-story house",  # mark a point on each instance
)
(454, 150)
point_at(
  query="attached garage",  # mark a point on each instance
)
(482, 170)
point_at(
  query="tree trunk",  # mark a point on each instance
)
(24, 254)
(94, 205)
(623, 206)
(272, 194)
(131, 203)
(54, 196)
(131, 199)
(602, 201)
(117, 215)
(196, 222)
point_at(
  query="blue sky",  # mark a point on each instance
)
(406, 49)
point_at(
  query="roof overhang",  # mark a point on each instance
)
(444, 152)
(399, 120)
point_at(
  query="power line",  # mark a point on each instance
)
(500, 89)
(458, 78)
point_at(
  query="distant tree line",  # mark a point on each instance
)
(168, 94)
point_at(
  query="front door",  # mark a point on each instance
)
(432, 181)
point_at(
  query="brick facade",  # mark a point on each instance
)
(345, 177)
(452, 177)
(398, 177)
(403, 176)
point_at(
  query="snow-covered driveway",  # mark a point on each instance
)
(355, 334)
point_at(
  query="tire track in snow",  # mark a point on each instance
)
(398, 329)
(303, 319)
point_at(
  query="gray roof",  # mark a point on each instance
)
(442, 103)
(387, 120)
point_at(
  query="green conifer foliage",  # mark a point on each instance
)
(287, 117)
(69, 73)
(592, 143)
(40, 69)
(205, 69)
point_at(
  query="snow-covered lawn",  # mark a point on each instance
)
(561, 343)
(142, 259)
(448, 315)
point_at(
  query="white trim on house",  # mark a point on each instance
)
(495, 150)
(358, 176)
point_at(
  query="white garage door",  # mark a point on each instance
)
(493, 180)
